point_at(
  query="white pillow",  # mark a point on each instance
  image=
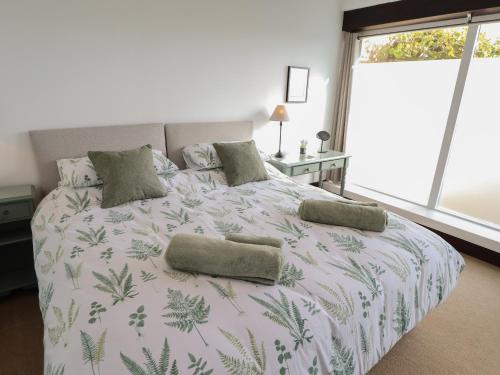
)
(201, 156)
(163, 165)
(263, 155)
(80, 172)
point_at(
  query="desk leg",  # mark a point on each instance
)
(320, 183)
(342, 180)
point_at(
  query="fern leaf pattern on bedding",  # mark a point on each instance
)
(112, 305)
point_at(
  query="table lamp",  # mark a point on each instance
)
(280, 114)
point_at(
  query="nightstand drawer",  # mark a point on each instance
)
(332, 164)
(303, 169)
(15, 211)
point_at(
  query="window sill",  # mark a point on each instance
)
(478, 234)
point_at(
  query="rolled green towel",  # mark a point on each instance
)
(346, 215)
(256, 240)
(194, 253)
(369, 204)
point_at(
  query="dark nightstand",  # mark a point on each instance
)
(16, 249)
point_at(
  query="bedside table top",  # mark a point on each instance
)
(294, 159)
(16, 193)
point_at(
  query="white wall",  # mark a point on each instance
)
(68, 63)
(355, 4)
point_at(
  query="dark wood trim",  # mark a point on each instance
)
(471, 249)
(414, 11)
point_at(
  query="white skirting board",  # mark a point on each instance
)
(478, 234)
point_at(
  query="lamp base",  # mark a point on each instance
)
(322, 151)
(278, 155)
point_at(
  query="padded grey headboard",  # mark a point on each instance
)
(184, 134)
(53, 144)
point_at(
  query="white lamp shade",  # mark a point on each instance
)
(279, 114)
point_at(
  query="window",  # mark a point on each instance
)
(407, 97)
(471, 184)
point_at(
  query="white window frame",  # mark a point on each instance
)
(451, 123)
(473, 24)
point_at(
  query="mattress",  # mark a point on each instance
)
(111, 305)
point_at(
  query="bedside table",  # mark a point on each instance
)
(16, 248)
(296, 164)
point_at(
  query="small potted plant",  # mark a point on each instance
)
(303, 147)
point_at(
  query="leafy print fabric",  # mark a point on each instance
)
(201, 156)
(80, 172)
(111, 305)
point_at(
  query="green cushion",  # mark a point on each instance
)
(127, 175)
(241, 162)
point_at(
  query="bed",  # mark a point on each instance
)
(111, 305)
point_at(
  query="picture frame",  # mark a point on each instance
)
(297, 84)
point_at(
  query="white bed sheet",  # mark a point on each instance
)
(111, 305)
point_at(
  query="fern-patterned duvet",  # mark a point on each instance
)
(111, 305)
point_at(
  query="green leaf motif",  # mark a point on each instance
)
(182, 217)
(311, 307)
(364, 341)
(73, 273)
(151, 365)
(361, 273)
(56, 333)
(198, 365)
(144, 251)
(54, 370)
(313, 370)
(61, 230)
(402, 317)
(78, 203)
(250, 362)
(208, 182)
(341, 360)
(287, 315)
(52, 259)
(227, 292)
(347, 242)
(290, 275)
(96, 309)
(227, 228)
(38, 245)
(342, 305)
(241, 205)
(283, 356)
(106, 254)
(93, 352)
(187, 312)
(308, 258)
(414, 247)
(119, 286)
(147, 276)
(137, 320)
(398, 265)
(117, 217)
(45, 297)
(395, 224)
(191, 203)
(93, 237)
(440, 287)
(290, 228)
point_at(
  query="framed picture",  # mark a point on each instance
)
(297, 85)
